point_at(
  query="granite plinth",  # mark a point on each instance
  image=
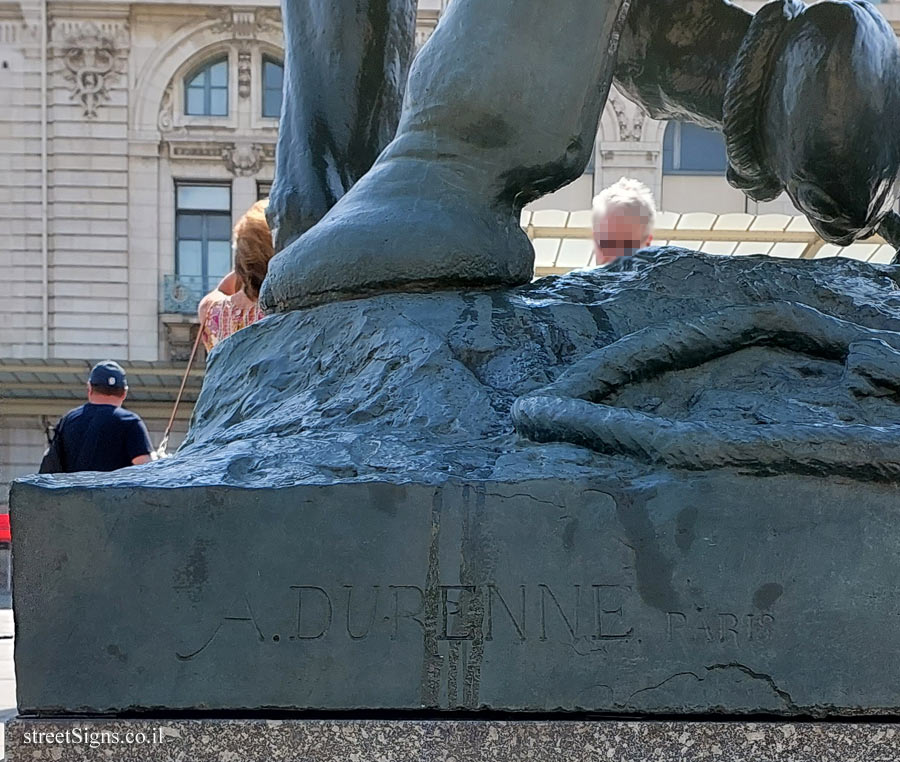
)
(449, 741)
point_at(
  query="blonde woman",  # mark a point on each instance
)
(233, 304)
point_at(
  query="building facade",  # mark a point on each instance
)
(133, 136)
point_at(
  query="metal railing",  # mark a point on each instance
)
(181, 294)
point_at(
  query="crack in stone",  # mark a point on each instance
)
(782, 694)
(668, 679)
(524, 494)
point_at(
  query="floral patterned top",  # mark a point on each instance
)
(223, 319)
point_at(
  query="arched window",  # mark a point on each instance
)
(692, 150)
(272, 82)
(206, 89)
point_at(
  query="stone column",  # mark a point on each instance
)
(21, 292)
(89, 182)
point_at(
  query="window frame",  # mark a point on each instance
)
(207, 284)
(264, 59)
(205, 67)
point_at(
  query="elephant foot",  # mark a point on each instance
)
(410, 224)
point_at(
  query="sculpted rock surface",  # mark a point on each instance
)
(421, 386)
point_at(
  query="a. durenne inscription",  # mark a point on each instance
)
(537, 612)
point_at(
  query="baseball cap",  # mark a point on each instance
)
(108, 375)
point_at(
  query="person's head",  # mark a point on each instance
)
(107, 384)
(253, 249)
(624, 216)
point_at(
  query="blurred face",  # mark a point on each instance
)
(618, 234)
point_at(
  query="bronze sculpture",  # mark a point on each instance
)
(578, 407)
(345, 70)
(479, 136)
(494, 117)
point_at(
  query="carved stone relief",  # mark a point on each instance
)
(246, 24)
(243, 160)
(268, 20)
(165, 120)
(93, 58)
(224, 21)
(244, 73)
(631, 125)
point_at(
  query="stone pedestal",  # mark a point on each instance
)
(450, 741)
(689, 594)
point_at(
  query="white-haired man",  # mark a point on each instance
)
(624, 216)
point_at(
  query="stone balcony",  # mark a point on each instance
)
(178, 300)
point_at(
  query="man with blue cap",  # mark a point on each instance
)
(100, 435)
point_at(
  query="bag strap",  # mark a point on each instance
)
(187, 372)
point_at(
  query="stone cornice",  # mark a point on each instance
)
(94, 11)
(13, 31)
(241, 157)
(175, 6)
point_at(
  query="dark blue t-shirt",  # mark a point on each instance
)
(96, 438)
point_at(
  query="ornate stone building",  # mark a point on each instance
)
(132, 135)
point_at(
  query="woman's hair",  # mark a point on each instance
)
(253, 248)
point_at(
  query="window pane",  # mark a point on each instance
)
(272, 103)
(273, 74)
(688, 148)
(219, 260)
(263, 190)
(218, 74)
(702, 150)
(212, 197)
(190, 259)
(204, 84)
(190, 226)
(218, 101)
(219, 228)
(273, 77)
(195, 104)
